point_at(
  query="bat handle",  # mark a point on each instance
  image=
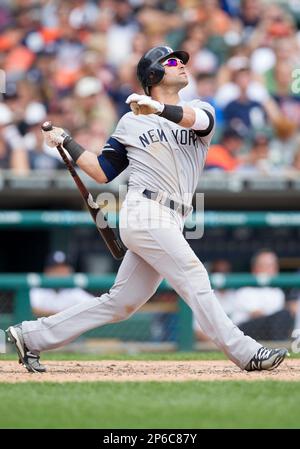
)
(47, 126)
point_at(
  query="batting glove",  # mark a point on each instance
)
(142, 104)
(54, 137)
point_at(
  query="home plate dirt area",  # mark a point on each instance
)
(126, 371)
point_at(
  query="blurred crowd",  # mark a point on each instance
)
(74, 62)
(263, 312)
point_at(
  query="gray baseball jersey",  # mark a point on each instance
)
(161, 154)
(162, 157)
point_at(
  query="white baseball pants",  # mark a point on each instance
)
(157, 249)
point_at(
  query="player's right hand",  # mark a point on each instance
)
(54, 137)
(143, 104)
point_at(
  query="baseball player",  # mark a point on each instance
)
(165, 142)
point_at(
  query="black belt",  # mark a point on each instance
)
(174, 205)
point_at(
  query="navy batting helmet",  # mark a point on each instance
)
(149, 69)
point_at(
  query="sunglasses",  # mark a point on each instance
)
(172, 62)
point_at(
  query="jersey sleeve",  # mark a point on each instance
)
(207, 134)
(113, 158)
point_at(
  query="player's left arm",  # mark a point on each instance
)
(199, 126)
(104, 168)
(199, 116)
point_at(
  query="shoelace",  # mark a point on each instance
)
(263, 353)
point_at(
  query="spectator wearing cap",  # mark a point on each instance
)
(48, 301)
(244, 113)
(39, 158)
(93, 103)
(226, 155)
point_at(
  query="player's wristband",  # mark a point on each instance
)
(74, 149)
(172, 113)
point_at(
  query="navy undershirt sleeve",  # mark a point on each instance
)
(113, 159)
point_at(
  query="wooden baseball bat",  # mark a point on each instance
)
(112, 241)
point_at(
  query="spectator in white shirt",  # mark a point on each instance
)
(48, 301)
(260, 311)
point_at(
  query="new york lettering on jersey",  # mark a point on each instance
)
(181, 136)
(161, 154)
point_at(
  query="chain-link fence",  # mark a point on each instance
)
(165, 319)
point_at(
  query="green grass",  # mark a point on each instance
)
(180, 356)
(142, 356)
(109, 405)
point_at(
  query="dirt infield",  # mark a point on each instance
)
(124, 371)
